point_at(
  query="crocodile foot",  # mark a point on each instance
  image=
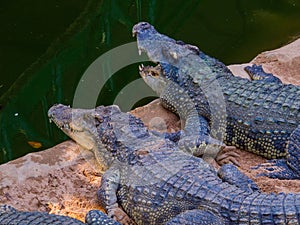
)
(228, 154)
(211, 150)
(257, 73)
(277, 169)
(119, 215)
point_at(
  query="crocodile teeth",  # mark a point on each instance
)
(141, 67)
(66, 126)
(174, 55)
(140, 51)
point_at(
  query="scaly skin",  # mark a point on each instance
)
(11, 216)
(150, 181)
(258, 116)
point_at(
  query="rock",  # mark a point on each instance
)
(284, 62)
(61, 180)
(64, 179)
(155, 117)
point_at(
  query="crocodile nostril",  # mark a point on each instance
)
(140, 27)
(145, 25)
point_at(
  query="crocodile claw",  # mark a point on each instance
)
(228, 154)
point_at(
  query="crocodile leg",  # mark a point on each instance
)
(230, 174)
(202, 144)
(195, 136)
(196, 217)
(288, 168)
(257, 73)
(108, 198)
(210, 149)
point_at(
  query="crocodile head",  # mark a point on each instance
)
(105, 130)
(178, 62)
(161, 48)
(154, 78)
(169, 54)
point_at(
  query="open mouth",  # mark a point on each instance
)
(153, 71)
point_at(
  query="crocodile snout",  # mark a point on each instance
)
(140, 27)
(59, 114)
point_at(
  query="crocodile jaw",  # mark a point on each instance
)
(153, 77)
(95, 129)
(161, 48)
(166, 51)
(72, 123)
(147, 37)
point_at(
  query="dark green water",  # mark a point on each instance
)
(46, 46)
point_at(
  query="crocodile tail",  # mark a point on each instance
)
(278, 208)
(269, 209)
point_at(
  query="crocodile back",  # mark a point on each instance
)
(165, 184)
(260, 115)
(256, 116)
(177, 182)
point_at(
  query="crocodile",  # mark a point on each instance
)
(258, 115)
(11, 216)
(148, 179)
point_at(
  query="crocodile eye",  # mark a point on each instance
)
(180, 42)
(99, 120)
(194, 48)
